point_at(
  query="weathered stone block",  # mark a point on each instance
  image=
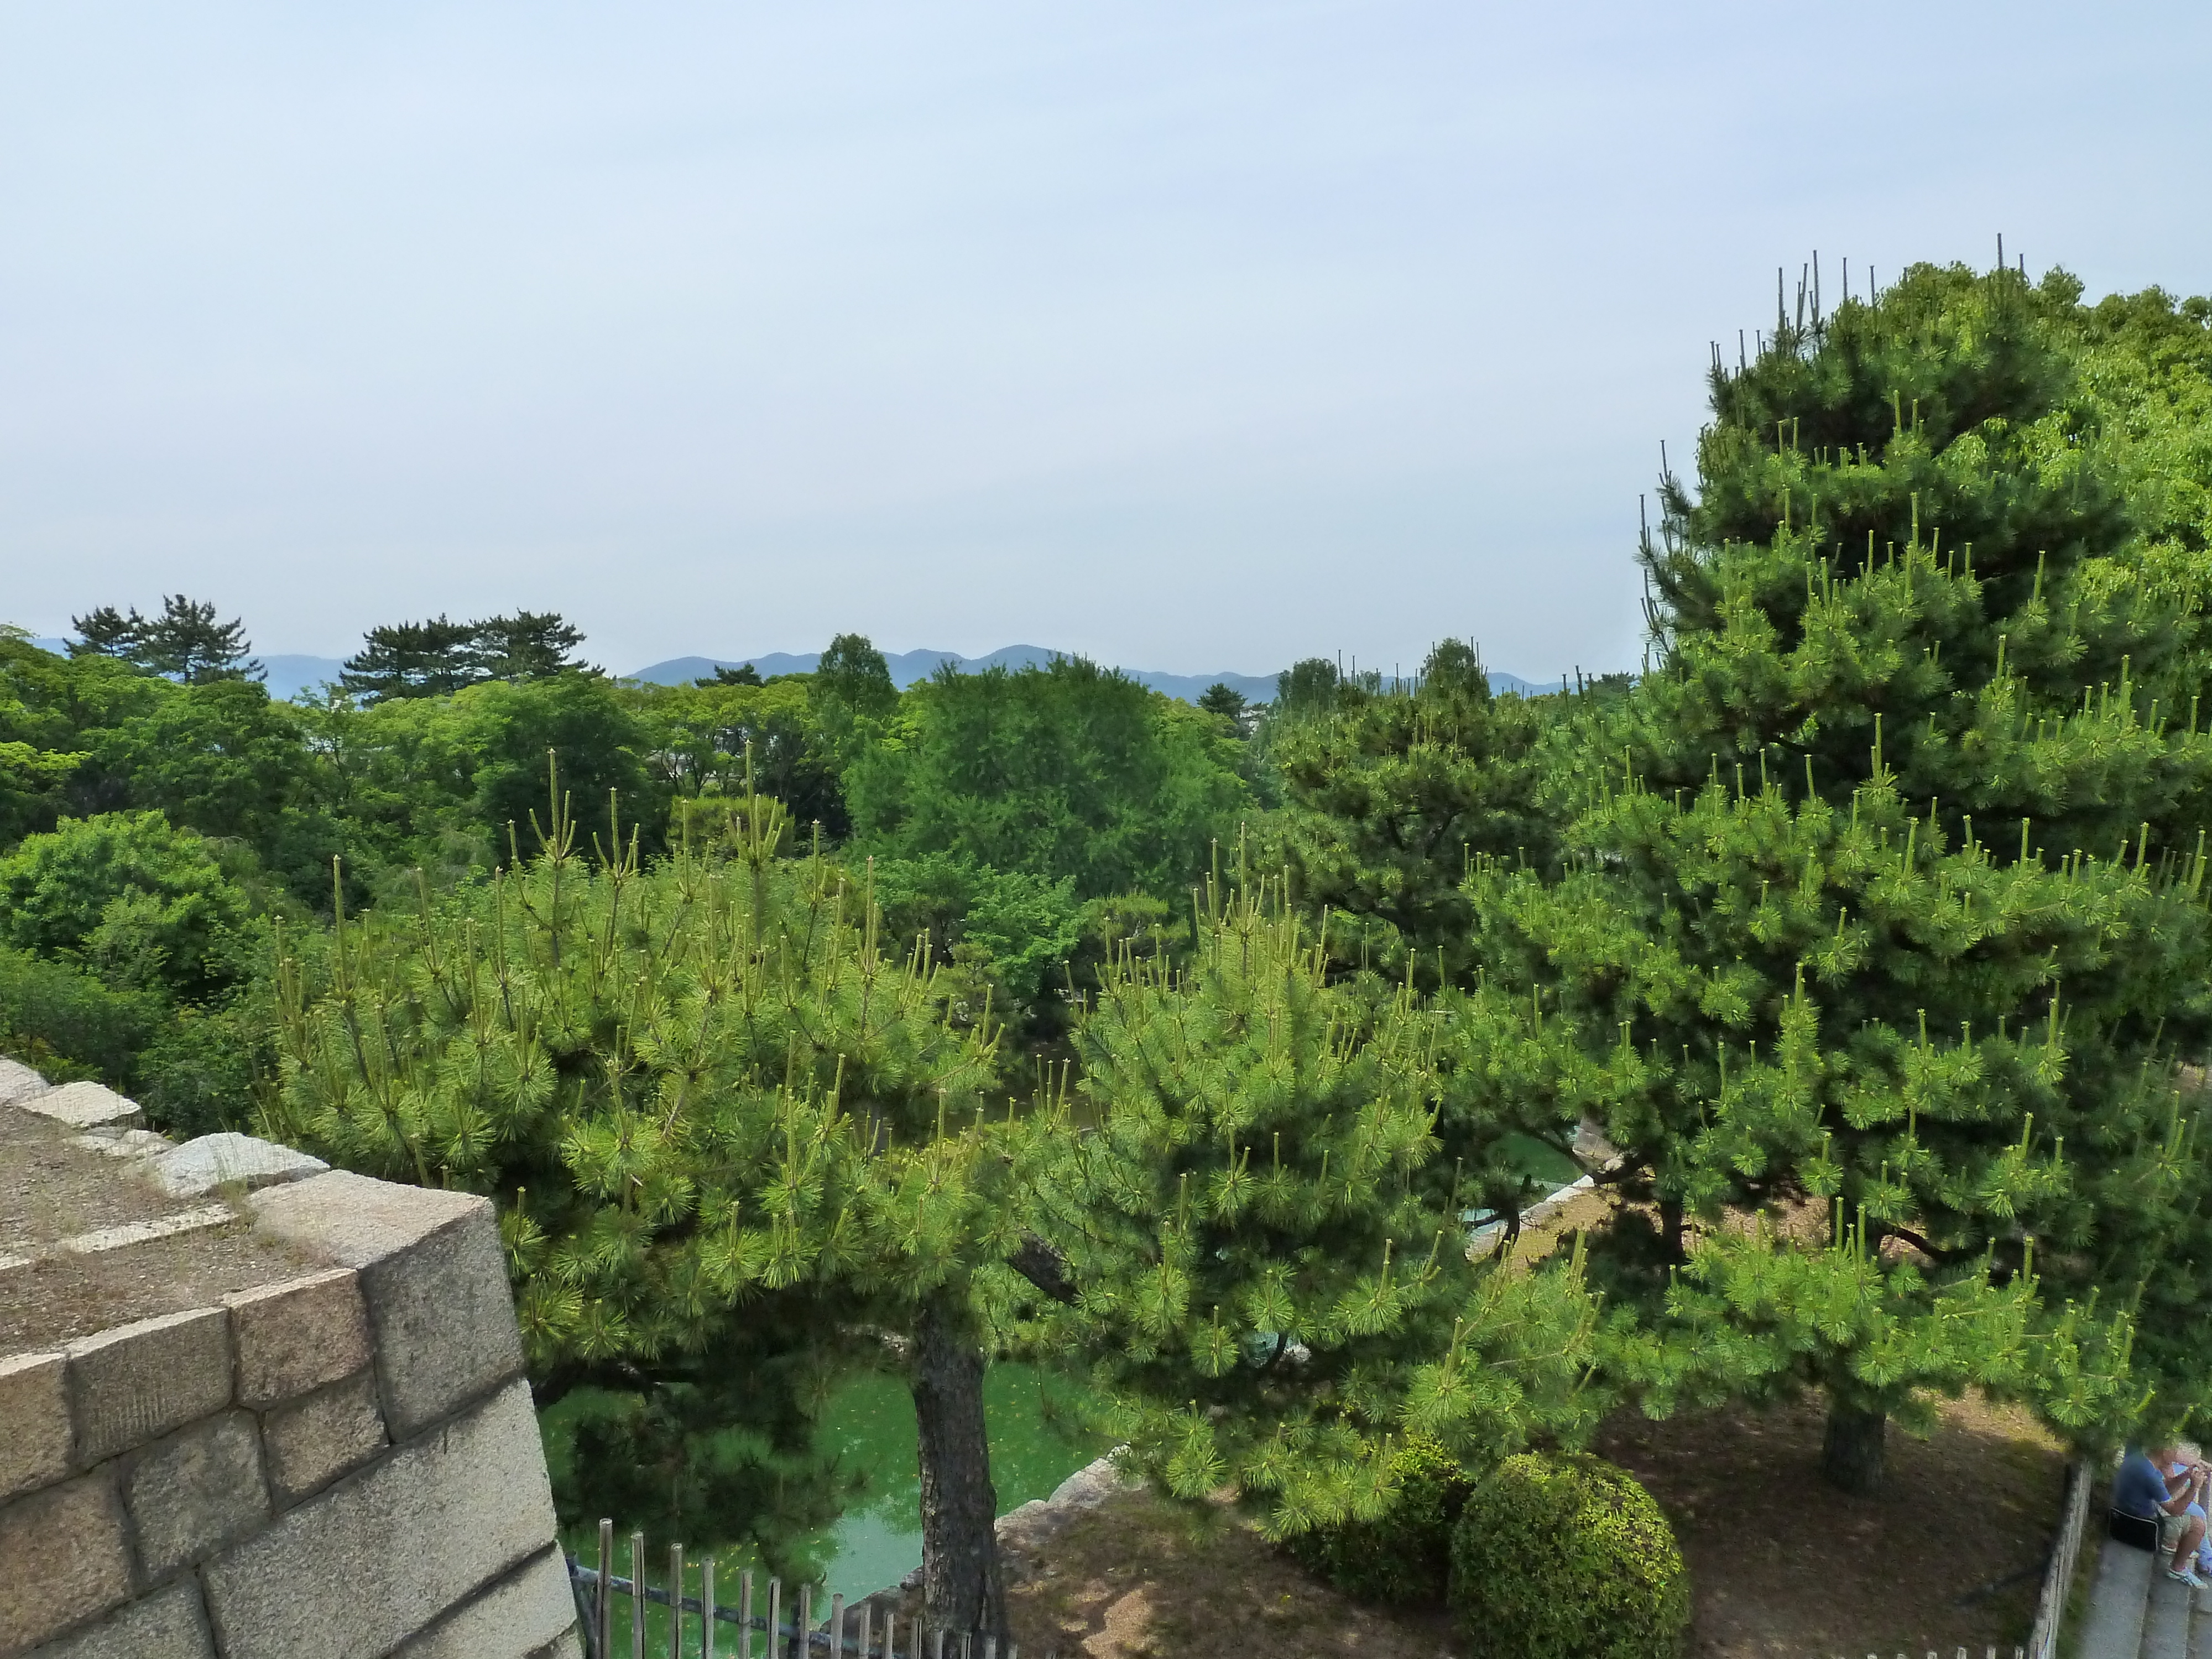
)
(371, 1561)
(433, 1274)
(128, 1145)
(200, 1166)
(66, 1561)
(195, 1492)
(138, 1381)
(526, 1611)
(16, 1081)
(34, 1421)
(124, 1235)
(309, 1442)
(298, 1336)
(85, 1106)
(168, 1624)
(570, 1646)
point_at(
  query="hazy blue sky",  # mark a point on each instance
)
(1194, 336)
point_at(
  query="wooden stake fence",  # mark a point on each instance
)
(796, 1638)
(2058, 1572)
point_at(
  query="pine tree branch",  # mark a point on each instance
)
(1045, 1267)
(616, 1377)
(1933, 1252)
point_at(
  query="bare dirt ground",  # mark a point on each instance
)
(1783, 1567)
(1949, 1555)
(1133, 1579)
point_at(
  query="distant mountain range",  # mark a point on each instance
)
(908, 666)
(290, 675)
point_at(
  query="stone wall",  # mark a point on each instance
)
(336, 1458)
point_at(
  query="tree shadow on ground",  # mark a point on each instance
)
(1949, 1554)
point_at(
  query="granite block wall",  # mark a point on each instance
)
(342, 1461)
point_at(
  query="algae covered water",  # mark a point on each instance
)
(868, 1427)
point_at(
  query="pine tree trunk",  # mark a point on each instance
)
(1670, 1228)
(961, 1577)
(1852, 1455)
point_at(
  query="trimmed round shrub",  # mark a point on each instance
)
(1404, 1553)
(1567, 1558)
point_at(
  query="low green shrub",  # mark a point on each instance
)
(1567, 1558)
(1405, 1554)
(146, 906)
(193, 1069)
(68, 1025)
(197, 1073)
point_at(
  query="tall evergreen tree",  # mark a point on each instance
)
(1227, 700)
(413, 659)
(186, 641)
(1887, 916)
(107, 632)
(1391, 794)
(530, 645)
(435, 658)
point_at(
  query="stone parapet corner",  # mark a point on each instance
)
(340, 1458)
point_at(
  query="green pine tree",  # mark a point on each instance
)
(1227, 700)
(732, 1139)
(104, 631)
(412, 660)
(530, 645)
(1887, 921)
(1390, 795)
(1269, 1282)
(185, 642)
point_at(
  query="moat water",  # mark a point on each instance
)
(868, 1427)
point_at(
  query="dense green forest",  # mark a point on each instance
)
(805, 1025)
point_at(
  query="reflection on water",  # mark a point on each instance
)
(1547, 1166)
(868, 1426)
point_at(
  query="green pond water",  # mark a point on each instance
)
(1553, 1169)
(869, 1427)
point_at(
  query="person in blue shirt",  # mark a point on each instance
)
(2143, 1490)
